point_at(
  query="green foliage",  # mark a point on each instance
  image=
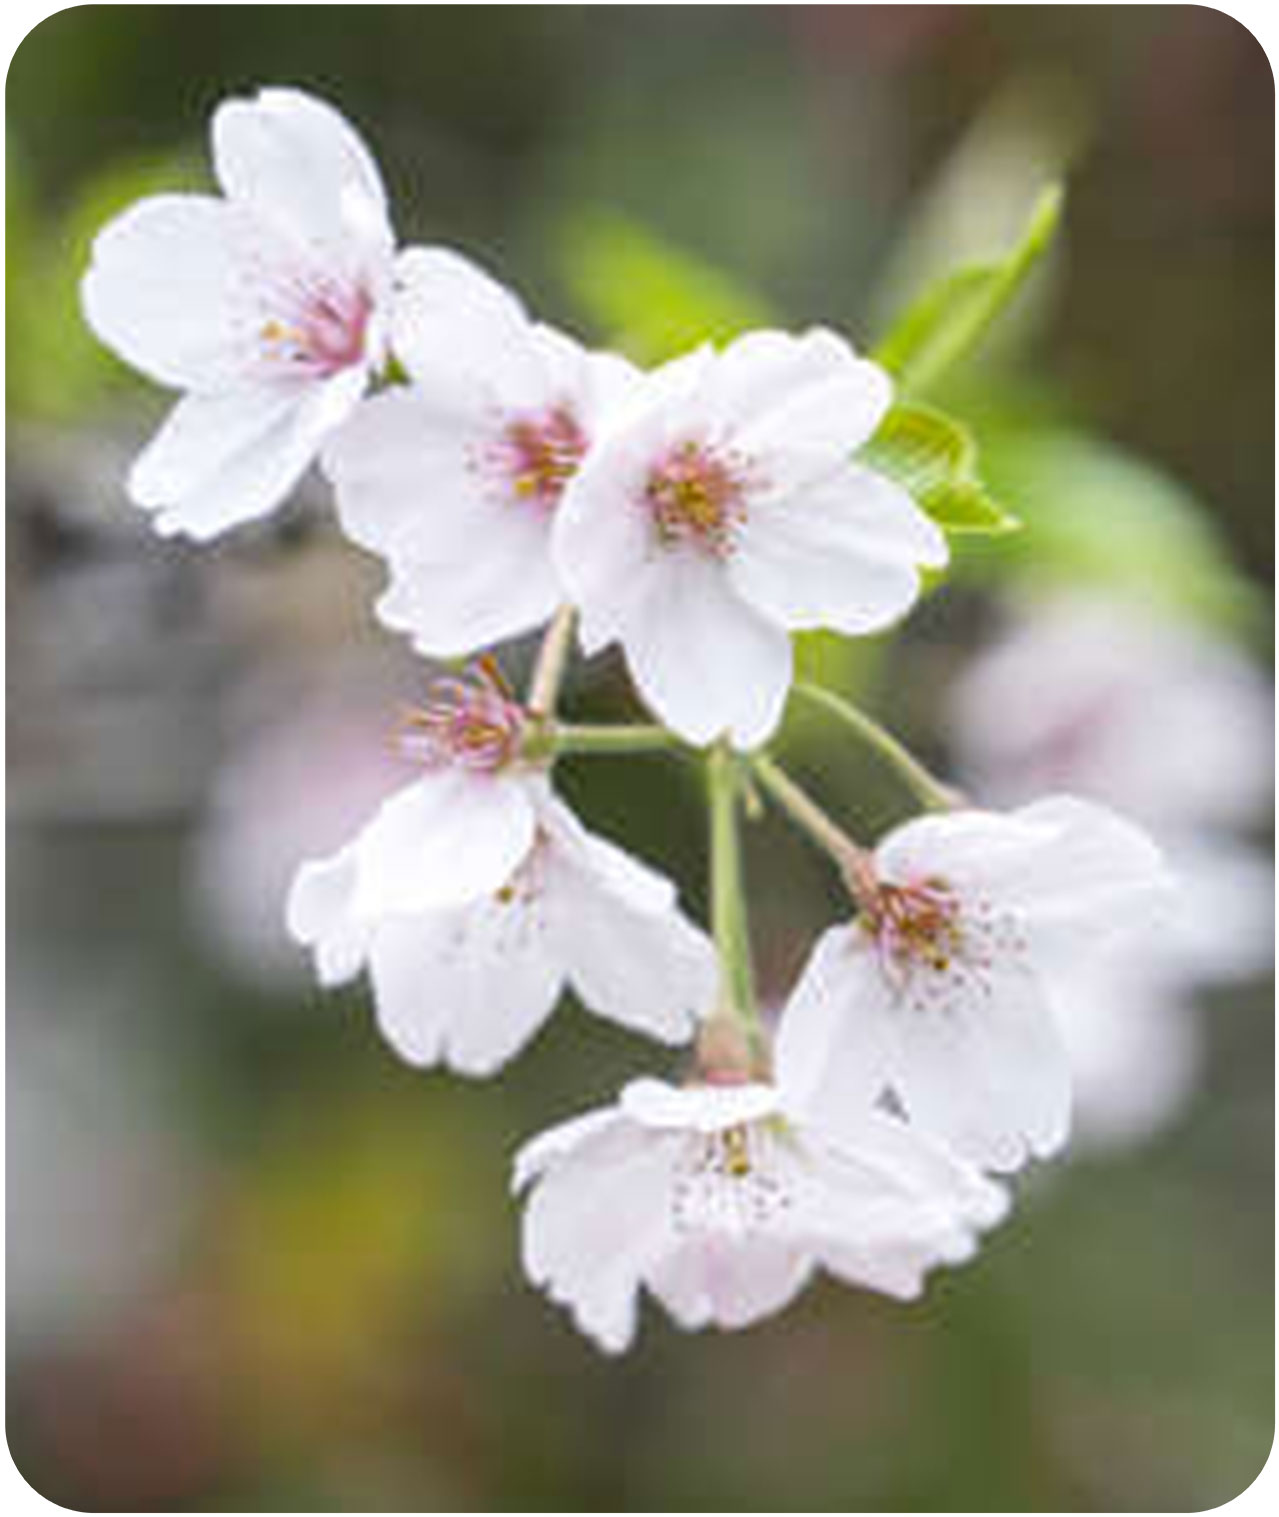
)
(934, 457)
(951, 317)
(1098, 513)
(651, 299)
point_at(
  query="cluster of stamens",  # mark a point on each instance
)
(697, 496)
(468, 723)
(324, 332)
(725, 1183)
(916, 924)
(534, 457)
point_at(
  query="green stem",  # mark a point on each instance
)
(854, 861)
(934, 795)
(728, 904)
(552, 658)
(599, 739)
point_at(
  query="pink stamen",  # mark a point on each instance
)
(323, 330)
(468, 723)
(698, 497)
(535, 456)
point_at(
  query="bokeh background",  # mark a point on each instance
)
(256, 1263)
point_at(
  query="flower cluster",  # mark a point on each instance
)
(696, 515)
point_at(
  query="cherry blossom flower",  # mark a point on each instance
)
(456, 479)
(942, 990)
(727, 511)
(1130, 1017)
(269, 306)
(1082, 691)
(724, 1201)
(468, 954)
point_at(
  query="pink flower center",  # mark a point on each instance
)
(697, 496)
(324, 332)
(468, 724)
(536, 456)
(916, 925)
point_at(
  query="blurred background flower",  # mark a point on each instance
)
(254, 1262)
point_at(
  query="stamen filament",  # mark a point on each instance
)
(552, 659)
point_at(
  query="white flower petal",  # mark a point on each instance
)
(586, 1249)
(221, 460)
(706, 663)
(829, 1051)
(169, 289)
(988, 1072)
(449, 838)
(297, 160)
(628, 952)
(467, 986)
(731, 1282)
(845, 553)
(463, 337)
(696, 1108)
(319, 916)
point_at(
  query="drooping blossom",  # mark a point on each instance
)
(456, 479)
(466, 963)
(726, 512)
(943, 989)
(1172, 723)
(725, 1200)
(268, 306)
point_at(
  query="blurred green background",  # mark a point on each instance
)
(254, 1262)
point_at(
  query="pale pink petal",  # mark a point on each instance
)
(729, 1282)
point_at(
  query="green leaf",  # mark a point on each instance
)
(934, 458)
(1099, 514)
(951, 317)
(651, 299)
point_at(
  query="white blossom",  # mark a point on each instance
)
(726, 511)
(269, 306)
(455, 480)
(1129, 1014)
(724, 1201)
(474, 896)
(469, 985)
(943, 989)
(1084, 692)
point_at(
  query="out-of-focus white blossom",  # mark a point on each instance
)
(726, 512)
(725, 1200)
(1083, 692)
(944, 988)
